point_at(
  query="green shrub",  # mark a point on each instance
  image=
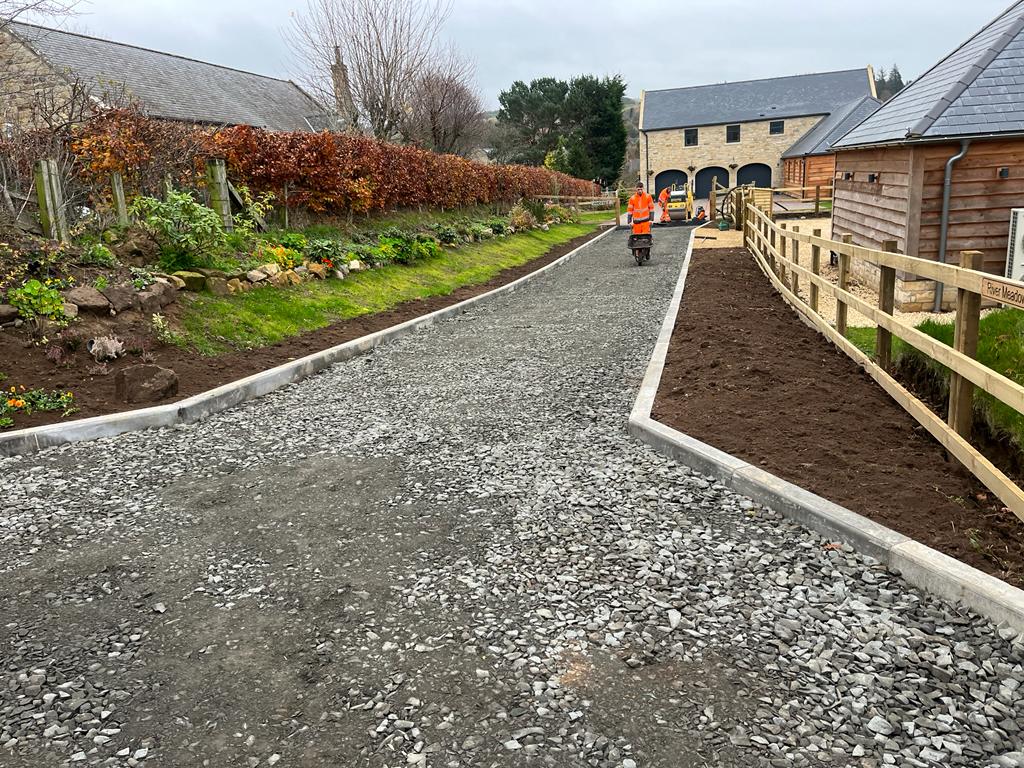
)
(254, 209)
(447, 234)
(325, 251)
(295, 241)
(481, 232)
(561, 214)
(498, 226)
(33, 299)
(98, 255)
(283, 256)
(187, 231)
(426, 247)
(536, 208)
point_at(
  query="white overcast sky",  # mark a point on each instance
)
(670, 44)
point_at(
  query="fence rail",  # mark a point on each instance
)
(777, 251)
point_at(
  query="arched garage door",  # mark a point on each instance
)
(706, 177)
(669, 179)
(758, 174)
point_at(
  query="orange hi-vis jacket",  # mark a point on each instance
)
(663, 199)
(641, 208)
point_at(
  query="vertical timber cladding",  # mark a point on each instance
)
(793, 169)
(980, 203)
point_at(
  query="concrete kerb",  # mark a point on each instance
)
(200, 406)
(918, 564)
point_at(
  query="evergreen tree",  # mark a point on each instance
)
(576, 126)
(895, 80)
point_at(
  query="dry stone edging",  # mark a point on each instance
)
(198, 407)
(920, 565)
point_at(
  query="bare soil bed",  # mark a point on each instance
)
(26, 363)
(745, 375)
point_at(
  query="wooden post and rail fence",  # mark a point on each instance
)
(778, 251)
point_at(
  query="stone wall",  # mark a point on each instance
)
(666, 151)
(24, 79)
(911, 295)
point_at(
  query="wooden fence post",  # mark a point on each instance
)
(783, 247)
(713, 199)
(816, 269)
(817, 200)
(965, 341)
(618, 209)
(886, 303)
(842, 311)
(50, 195)
(120, 206)
(771, 240)
(220, 196)
(796, 260)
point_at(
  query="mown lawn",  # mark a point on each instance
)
(213, 325)
(1000, 347)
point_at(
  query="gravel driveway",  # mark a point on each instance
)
(450, 553)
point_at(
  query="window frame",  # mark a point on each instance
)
(739, 133)
(782, 128)
(686, 137)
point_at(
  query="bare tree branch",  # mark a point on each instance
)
(383, 46)
(444, 112)
(12, 10)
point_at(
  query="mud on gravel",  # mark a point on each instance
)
(747, 376)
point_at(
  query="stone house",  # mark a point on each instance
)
(737, 132)
(37, 60)
(960, 126)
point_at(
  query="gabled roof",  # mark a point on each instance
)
(819, 140)
(176, 87)
(976, 90)
(753, 100)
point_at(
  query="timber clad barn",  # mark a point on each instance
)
(965, 114)
(737, 132)
(166, 86)
(811, 162)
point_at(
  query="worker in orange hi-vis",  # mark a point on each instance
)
(641, 211)
(663, 199)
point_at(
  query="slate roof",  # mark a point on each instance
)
(977, 90)
(753, 100)
(176, 87)
(819, 140)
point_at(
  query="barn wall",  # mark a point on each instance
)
(793, 172)
(872, 212)
(821, 170)
(980, 202)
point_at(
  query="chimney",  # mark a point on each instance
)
(342, 91)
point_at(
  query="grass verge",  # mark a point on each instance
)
(1000, 347)
(213, 325)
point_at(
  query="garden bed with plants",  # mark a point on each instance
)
(748, 377)
(174, 306)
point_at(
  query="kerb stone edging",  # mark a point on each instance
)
(200, 406)
(918, 564)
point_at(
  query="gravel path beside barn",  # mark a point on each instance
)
(450, 553)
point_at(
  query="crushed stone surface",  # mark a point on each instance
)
(450, 553)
